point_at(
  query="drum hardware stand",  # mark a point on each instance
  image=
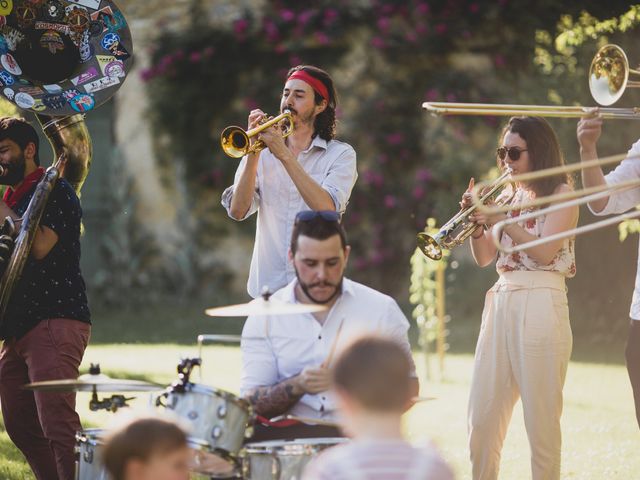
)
(112, 403)
(185, 368)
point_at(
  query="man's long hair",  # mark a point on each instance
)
(325, 123)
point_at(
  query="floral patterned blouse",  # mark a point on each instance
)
(564, 261)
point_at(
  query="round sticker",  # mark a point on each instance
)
(109, 40)
(9, 93)
(24, 100)
(6, 78)
(6, 6)
(10, 64)
(114, 69)
(4, 46)
(82, 103)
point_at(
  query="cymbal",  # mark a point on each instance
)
(262, 306)
(90, 383)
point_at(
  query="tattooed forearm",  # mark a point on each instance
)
(275, 399)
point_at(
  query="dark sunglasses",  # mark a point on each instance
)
(513, 152)
(308, 215)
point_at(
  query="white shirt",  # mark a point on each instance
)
(275, 348)
(622, 201)
(277, 200)
(378, 459)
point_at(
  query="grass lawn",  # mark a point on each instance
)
(601, 437)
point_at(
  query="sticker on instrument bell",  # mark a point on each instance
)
(6, 7)
(52, 88)
(24, 100)
(84, 77)
(53, 10)
(26, 16)
(9, 93)
(10, 65)
(77, 19)
(31, 90)
(93, 4)
(95, 28)
(3, 20)
(101, 84)
(6, 78)
(52, 41)
(38, 106)
(58, 27)
(109, 40)
(12, 36)
(71, 93)
(82, 103)
(4, 47)
(54, 101)
(85, 48)
(118, 51)
(114, 69)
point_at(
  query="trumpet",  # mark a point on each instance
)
(608, 79)
(459, 228)
(235, 141)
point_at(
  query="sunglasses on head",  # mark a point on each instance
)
(308, 215)
(513, 152)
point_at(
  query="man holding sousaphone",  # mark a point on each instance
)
(46, 326)
(588, 133)
(307, 169)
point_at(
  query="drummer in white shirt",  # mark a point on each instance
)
(286, 358)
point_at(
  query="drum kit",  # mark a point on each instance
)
(219, 422)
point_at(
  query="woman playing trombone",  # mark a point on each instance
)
(525, 338)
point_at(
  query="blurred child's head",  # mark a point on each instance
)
(147, 449)
(372, 375)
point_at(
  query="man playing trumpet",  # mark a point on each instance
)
(308, 169)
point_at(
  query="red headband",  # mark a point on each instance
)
(312, 81)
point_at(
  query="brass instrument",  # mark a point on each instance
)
(557, 202)
(84, 31)
(236, 142)
(608, 80)
(459, 228)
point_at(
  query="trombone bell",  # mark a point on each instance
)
(429, 246)
(609, 74)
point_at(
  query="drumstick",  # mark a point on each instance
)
(312, 421)
(327, 362)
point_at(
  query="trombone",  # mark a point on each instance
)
(235, 141)
(557, 202)
(608, 79)
(447, 238)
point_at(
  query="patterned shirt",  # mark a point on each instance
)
(378, 459)
(564, 261)
(331, 164)
(52, 287)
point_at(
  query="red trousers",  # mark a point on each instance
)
(43, 424)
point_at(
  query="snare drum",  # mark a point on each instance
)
(219, 422)
(88, 447)
(282, 459)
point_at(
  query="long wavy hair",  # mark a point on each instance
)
(543, 149)
(324, 124)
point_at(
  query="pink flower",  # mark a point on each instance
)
(431, 95)
(271, 30)
(390, 201)
(395, 138)
(384, 24)
(424, 175)
(287, 15)
(422, 8)
(304, 17)
(195, 57)
(330, 16)
(377, 42)
(240, 26)
(418, 192)
(322, 38)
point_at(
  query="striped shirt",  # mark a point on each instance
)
(378, 459)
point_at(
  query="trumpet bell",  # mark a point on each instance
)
(429, 246)
(235, 142)
(608, 75)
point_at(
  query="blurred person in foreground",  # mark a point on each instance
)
(286, 359)
(525, 338)
(147, 449)
(371, 379)
(588, 132)
(309, 169)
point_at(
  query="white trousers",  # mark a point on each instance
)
(523, 351)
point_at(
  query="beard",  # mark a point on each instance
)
(15, 171)
(306, 287)
(308, 119)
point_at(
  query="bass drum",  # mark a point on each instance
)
(282, 459)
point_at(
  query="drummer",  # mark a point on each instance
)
(287, 359)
